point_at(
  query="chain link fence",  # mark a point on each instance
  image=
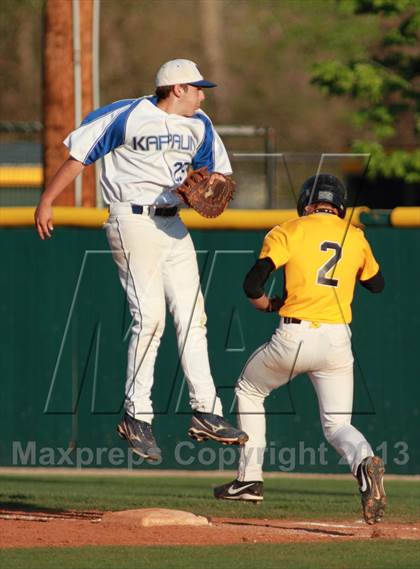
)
(266, 178)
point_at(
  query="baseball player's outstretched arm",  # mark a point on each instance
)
(61, 179)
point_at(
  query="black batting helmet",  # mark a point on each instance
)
(322, 188)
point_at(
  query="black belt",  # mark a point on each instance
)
(161, 211)
(291, 320)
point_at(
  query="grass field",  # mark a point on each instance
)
(284, 497)
(298, 498)
(363, 555)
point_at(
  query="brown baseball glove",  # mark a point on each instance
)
(208, 199)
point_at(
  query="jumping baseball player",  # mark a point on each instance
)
(148, 145)
(323, 257)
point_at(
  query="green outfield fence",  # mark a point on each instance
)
(64, 324)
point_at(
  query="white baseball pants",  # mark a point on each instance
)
(157, 264)
(324, 352)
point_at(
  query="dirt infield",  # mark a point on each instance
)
(75, 529)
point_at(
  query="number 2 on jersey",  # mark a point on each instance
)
(322, 279)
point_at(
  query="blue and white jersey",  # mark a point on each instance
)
(146, 151)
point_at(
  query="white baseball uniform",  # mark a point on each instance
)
(323, 258)
(147, 153)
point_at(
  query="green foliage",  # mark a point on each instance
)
(385, 88)
(381, 118)
(393, 164)
(333, 77)
(386, 7)
(406, 34)
(360, 80)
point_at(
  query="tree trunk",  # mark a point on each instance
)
(211, 13)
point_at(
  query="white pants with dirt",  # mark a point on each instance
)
(324, 352)
(157, 264)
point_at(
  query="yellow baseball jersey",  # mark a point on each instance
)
(323, 258)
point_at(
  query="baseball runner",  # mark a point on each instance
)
(323, 257)
(148, 145)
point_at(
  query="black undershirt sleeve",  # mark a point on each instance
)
(375, 284)
(257, 277)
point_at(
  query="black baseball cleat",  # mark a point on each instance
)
(209, 426)
(235, 490)
(370, 475)
(139, 437)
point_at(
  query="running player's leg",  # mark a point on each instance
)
(250, 397)
(334, 388)
(269, 367)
